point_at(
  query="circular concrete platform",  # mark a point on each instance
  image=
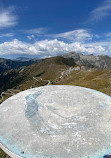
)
(56, 122)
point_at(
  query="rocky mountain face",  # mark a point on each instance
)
(102, 62)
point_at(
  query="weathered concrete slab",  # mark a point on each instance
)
(56, 122)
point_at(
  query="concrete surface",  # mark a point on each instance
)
(56, 122)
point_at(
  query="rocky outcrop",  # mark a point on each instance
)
(102, 62)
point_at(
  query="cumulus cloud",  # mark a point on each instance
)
(81, 41)
(48, 48)
(75, 35)
(7, 17)
(101, 11)
(41, 48)
(14, 47)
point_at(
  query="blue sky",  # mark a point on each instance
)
(45, 28)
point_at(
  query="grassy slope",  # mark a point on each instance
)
(2, 154)
(48, 69)
(95, 79)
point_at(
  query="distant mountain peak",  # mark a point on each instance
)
(22, 59)
(90, 60)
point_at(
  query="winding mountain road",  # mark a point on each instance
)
(49, 82)
(63, 75)
(8, 92)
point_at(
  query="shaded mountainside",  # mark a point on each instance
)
(48, 69)
(6, 64)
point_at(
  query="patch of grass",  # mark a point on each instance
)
(96, 79)
(2, 154)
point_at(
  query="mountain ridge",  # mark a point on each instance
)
(7, 64)
(92, 61)
(99, 61)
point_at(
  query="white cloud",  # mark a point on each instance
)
(82, 42)
(7, 18)
(40, 30)
(102, 11)
(48, 48)
(104, 43)
(75, 35)
(96, 50)
(41, 48)
(6, 35)
(108, 34)
(30, 37)
(14, 47)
